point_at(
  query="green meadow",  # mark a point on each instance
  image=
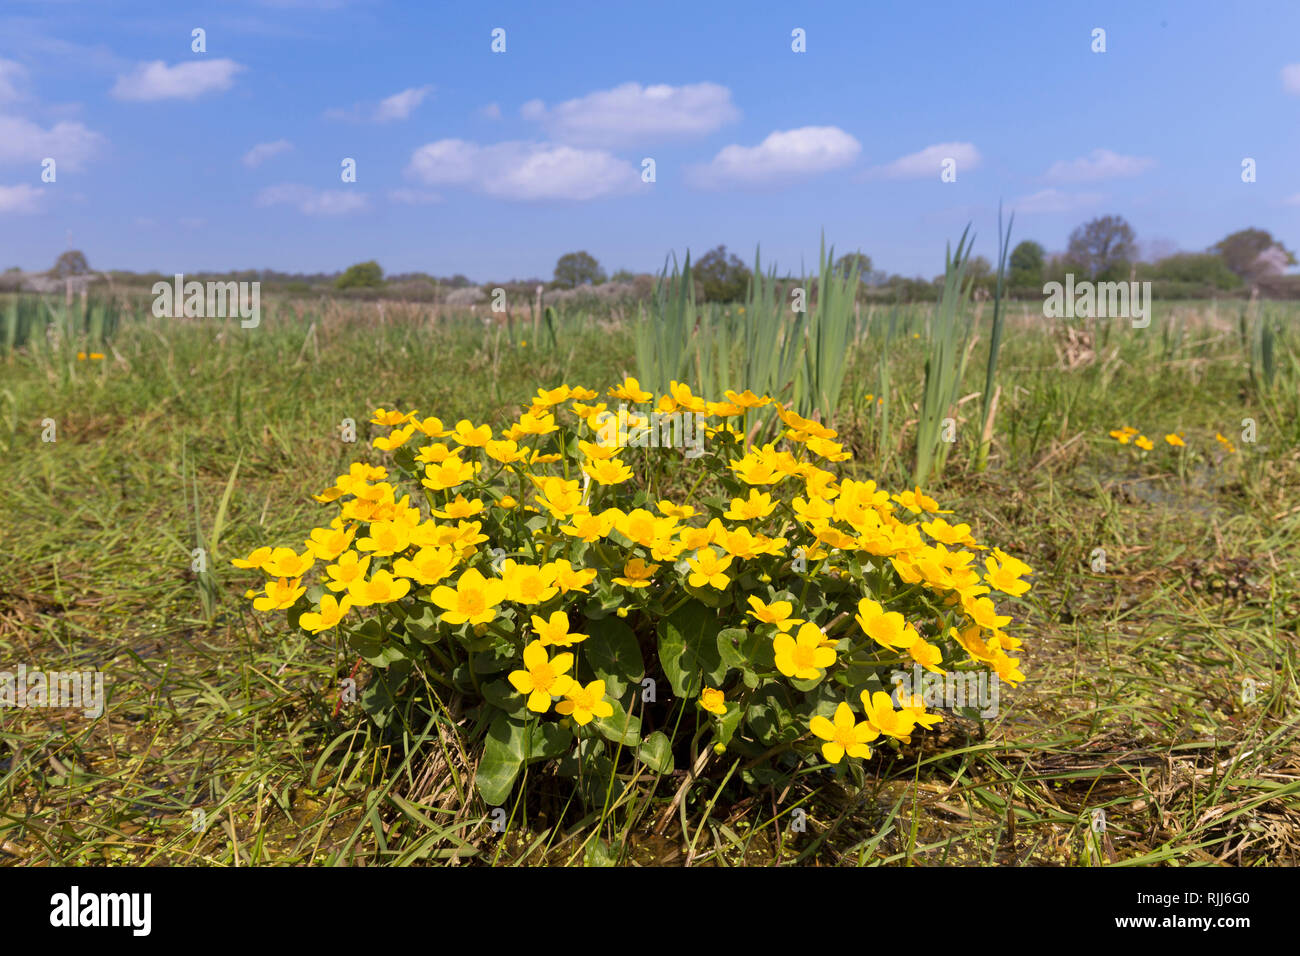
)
(1157, 723)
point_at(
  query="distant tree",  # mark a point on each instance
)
(1103, 247)
(722, 277)
(1199, 267)
(1247, 253)
(363, 275)
(623, 275)
(1025, 265)
(577, 268)
(845, 263)
(71, 263)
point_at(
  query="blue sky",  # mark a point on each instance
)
(494, 164)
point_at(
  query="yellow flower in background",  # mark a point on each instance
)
(845, 736)
(505, 451)
(1005, 576)
(527, 583)
(777, 613)
(432, 427)
(331, 612)
(541, 677)
(386, 538)
(927, 655)
(589, 527)
(256, 559)
(350, 567)
(1008, 669)
(680, 512)
(948, 534)
(914, 705)
(470, 436)
(549, 397)
(584, 704)
(882, 716)
(886, 628)
(568, 578)
(449, 474)
(598, 452)
(460, 508)
(326, 544)
(1143, 442)
(631, 391)
(611, 472)
(508, 502)
(1225, 443)
(1176, 440)
(473, 600)
(708, 569)
(279, 594)
(429, 566)
(984, 613)
(556, 630)
(1122, 436)
(758, 505)
(390, 419)
(530, 424)
(713, 700)
(746, 399)
(395, 439)
(287, 563)
(637, 574)
(804, 656)
(917, 501)
(382, 588)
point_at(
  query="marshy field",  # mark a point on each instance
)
(1149, 476)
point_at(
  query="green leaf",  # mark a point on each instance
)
(620, 728)
(656, 752)
(508, 744)
(598, 854)
(729, 644)
(374, 646)
(728, 722)
(612, 651)
(688, 648)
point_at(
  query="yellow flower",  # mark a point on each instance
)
(542, 678)
(713, 701)
(527, 583)
(450, 473)
(1144, 443)
(746, 399)
(708, 569)
(882, 716)
(280, 594)
(556, 630)
(927, 655)
(845, 736)
(1176, 440)
(351, 567)
(681, 512)
(256, 559)
(584, 703)
(637, 574)
(777, 613)
(611, 472)
(917, 501)
(568, 578)
(471, 436)
(945, 533)
(1005, 577)
(328, 543)
(1225, 443)
(395, 439)
(331, 612)
(984, 613)
(758, 505)
(884, 628)
(383, 588)
(386, 538)
(803, 657)
(1121, 436)
(588, 527)
(429, 566)
(383, 417)
(474, 599)
(631, 391)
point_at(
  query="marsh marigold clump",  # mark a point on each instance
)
(571, 587)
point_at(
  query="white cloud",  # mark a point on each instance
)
(263, 151)
(492, 111)
(928, 163)
(782, 157)
(527, 171)
(184, 81)
(69, 144)
(1053, 200)
(23, 198)
(632, 113)
(314, 202)
(413, 197)
(1097, 165)
(11, 74)
(1291, 78)
(400, 105)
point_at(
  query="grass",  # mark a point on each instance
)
(220, 743)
